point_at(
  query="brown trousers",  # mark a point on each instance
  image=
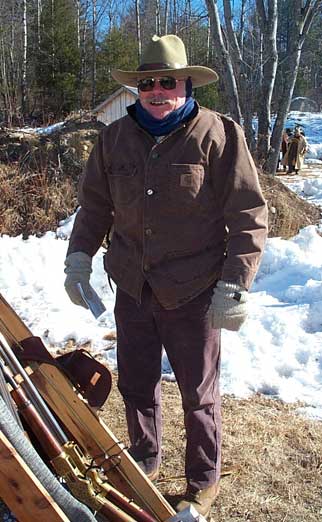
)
(193, 350)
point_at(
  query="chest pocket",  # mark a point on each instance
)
(185, 186)
(123, 181)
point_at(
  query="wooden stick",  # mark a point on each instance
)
(21, 490)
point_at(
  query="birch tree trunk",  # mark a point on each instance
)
(53, 49)
(157, 18)
(175, 17)
(138, 28)
(24, 60)
(166, 17)
(187, 30)
(39, 7)
(225, 61)
(242, 25)
(208, 55)
(78, 10)
(94, 12)
(243, 73)
(7, 100)
(267, 17)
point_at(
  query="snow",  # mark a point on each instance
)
(43, 130)
(277, 352)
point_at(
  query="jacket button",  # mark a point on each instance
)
(146, 268)
(150, 192)
(154, 155)
(148, 232)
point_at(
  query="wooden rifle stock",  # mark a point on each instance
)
(44, 436)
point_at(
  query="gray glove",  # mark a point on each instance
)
(78, 270)
(228, 307)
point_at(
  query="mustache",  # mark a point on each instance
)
(157, 99)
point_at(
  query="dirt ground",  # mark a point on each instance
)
(272, 458)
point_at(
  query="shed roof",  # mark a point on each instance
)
(131, 90)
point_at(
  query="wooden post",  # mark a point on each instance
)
(21, 490)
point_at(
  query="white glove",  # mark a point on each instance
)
(78, 270)
(228, 307)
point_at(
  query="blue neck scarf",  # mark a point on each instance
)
(169, 123)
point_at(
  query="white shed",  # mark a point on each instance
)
(114, 107)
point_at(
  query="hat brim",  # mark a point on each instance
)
(199, 75)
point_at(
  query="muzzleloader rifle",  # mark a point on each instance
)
(82, 450)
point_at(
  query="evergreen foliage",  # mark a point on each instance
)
(58, 58)
(118, 50)
(71, 52)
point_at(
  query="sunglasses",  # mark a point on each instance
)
(167, 82)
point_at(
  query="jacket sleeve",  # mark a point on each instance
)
(244, 208)
(95, 215)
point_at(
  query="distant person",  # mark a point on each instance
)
(180, 187)
(287, 133)
(297, 148)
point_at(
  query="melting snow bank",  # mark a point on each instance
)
(277, 352)
(309, 189)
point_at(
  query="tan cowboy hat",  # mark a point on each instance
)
(166, 56)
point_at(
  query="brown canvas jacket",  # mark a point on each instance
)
(186, 211)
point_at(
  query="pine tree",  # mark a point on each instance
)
(58, 58)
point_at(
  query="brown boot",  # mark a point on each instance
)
(152, 475)
(201, 500)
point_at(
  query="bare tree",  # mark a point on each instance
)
(238, 74)
(225, 61)
(24, 59)
(208, 55)
(5, 84)
(53, 41)
(175, 17)
(78, 15)
(157, 17)
(166, 17)
(299, 26)
(94, 25)
(39, 8)
(138, 28)
(267, 16)
(10, 59)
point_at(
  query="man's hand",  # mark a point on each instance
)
(228, 307)
(78, 270)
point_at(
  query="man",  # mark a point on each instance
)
(179, 186)
(284, 145)
(297, 148)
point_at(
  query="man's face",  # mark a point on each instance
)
(159, 101)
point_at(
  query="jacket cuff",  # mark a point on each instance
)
(241, 276)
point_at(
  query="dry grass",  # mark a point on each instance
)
(287, 212)
(275, 457)
(33, 202)
(39, 176)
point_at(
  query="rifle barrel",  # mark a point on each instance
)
(45, 437)
(15, 366)
(114, 514)
(126, 505)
